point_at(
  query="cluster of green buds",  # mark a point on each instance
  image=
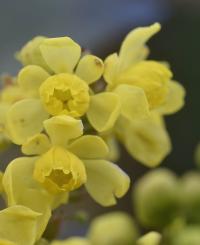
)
(67, 110)
(170, 205)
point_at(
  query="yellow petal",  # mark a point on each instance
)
(89, 147)
(31, 77)
(175, 99)
(111, 65)
(63, 128)
(25, 119)
(133, 46)
(72, 241)
(61, 54)
(22, 189)
(90, 68)
(105, 181)
(113, 146)
(147, 140)
(134, 102)
(36, 145)
(18, 225)
(151, 238)
(30, 54)
(103, 111)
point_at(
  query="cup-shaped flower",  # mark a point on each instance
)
(59, 170)
(65, 94)
(154, 78)
(71, 159)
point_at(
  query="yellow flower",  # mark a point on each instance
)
(21, 189)
(72, 241)
(59, 170)
(65, 94)
(71, 159)
(116, 228)
(18, 226)
(146, 140)
(63, 88)
(153, 78)
(151, 238)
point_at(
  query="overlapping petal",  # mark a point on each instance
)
(22, 189)
(60, 54)
(105, 181)
(63, 128)
(30, 78)
(25, 119)
(134, 104)
(90, 68)
(133, 46)
(104, 110)
(175, 99)
(36, 145)
(89, 147)
(146, 140)
(18, 225)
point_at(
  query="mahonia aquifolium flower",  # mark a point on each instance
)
(146, 92)
(69, 132)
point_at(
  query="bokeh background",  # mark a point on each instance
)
(101, 25)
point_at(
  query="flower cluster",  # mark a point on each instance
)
(67, 110)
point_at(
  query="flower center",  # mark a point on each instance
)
(58, 170)
(65, 94)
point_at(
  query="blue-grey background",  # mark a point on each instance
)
(100, 25)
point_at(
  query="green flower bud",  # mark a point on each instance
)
(151, 238)
(190, 196)
(190, 235)
(155, 198)
(116, 228)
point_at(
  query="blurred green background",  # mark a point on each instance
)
(101, 25)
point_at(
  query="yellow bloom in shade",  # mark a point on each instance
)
(151, 238)
(65, 94)
(59, 170)
(153, 78)
(72, 241)
(18, 226)
(74, 159)
(146, 140)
